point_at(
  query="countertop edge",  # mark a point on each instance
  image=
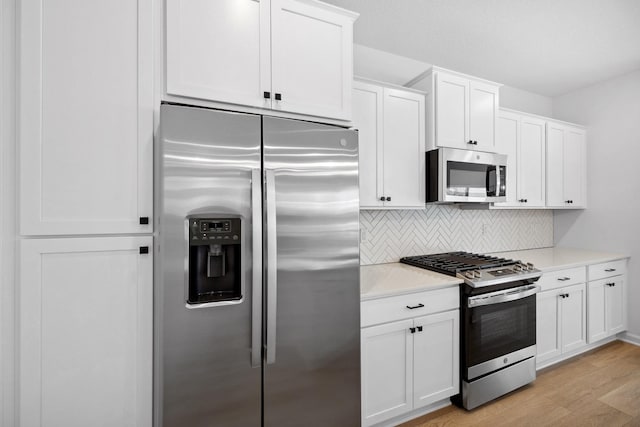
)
(417, 289)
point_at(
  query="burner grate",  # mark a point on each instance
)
(451, 263)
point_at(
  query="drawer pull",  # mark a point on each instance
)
(419, 328)
(413, 330)
(411, 307)
(611, 284)
(564, 279)
(609, 270)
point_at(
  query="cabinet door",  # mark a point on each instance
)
(555, 165)
(616, 308)
(86, 117)
(483, 110)
(574, 177)
(219, 50)
(311, 59)
(86, 332)
(596, 319)
(507, 137)
(548, 325)
(436, 355)
(573, 318)
(367, 118)
(387, 371)
(404, 151)
(531, 162)
(452, 111)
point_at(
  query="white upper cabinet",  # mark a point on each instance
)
(367, 118)
(522, 139)
(451, 111)
(219, 50)
(483, 110)
(461, 110)
(566, 166)
(391, 125)
(288, 55)
(86, 117)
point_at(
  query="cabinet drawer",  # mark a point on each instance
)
(397, 307)
(562, 278)
(607, 269)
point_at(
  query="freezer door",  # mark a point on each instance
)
(206, 373)
(312, 370)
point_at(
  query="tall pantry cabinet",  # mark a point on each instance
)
(85, 212)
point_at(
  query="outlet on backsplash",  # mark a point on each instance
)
(386, 236)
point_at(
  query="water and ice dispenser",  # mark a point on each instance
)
(214, 260)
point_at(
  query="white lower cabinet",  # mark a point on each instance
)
(86, 314)
(606, 300)
(411, 363)
(560, 321)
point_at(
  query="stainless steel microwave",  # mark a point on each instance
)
(464, 176)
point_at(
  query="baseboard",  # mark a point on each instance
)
(630, 338)
(414, 414)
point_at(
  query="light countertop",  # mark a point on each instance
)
(549, 259)
(383, 280)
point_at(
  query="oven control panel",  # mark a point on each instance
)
(500, 275)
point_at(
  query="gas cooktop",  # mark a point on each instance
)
(475, 269)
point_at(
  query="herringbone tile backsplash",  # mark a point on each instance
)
(389, 235)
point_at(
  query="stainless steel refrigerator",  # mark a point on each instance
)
(257, 303)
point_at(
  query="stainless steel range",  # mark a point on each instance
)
(498, 322)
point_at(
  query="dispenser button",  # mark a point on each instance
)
(226, 237)
(235, 237)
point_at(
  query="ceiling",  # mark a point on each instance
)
(549, 47)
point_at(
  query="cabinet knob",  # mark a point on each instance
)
(470, 142)
(475, 142)
(267, 95)
(388, 199)
(382, 199)
(413, 330)
(278, 97)
(144, 249)
(144, 220)
(419, 328)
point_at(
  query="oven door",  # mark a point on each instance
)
(499, 329)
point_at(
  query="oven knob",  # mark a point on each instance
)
(477, 274)
(469, 274)
(530, 266)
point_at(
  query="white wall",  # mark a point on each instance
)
(529, 102)
(387, 67)
(611, 112)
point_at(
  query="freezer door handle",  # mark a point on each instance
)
(256, 280)
(272, 265)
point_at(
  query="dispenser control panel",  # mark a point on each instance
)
(207, 231)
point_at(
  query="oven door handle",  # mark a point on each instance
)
(503, 296)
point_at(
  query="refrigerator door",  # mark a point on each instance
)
(206, 373)
(312, 370)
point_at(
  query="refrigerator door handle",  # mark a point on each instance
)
(256, 285)
(272, 265)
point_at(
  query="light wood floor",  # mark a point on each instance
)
(599, 388)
